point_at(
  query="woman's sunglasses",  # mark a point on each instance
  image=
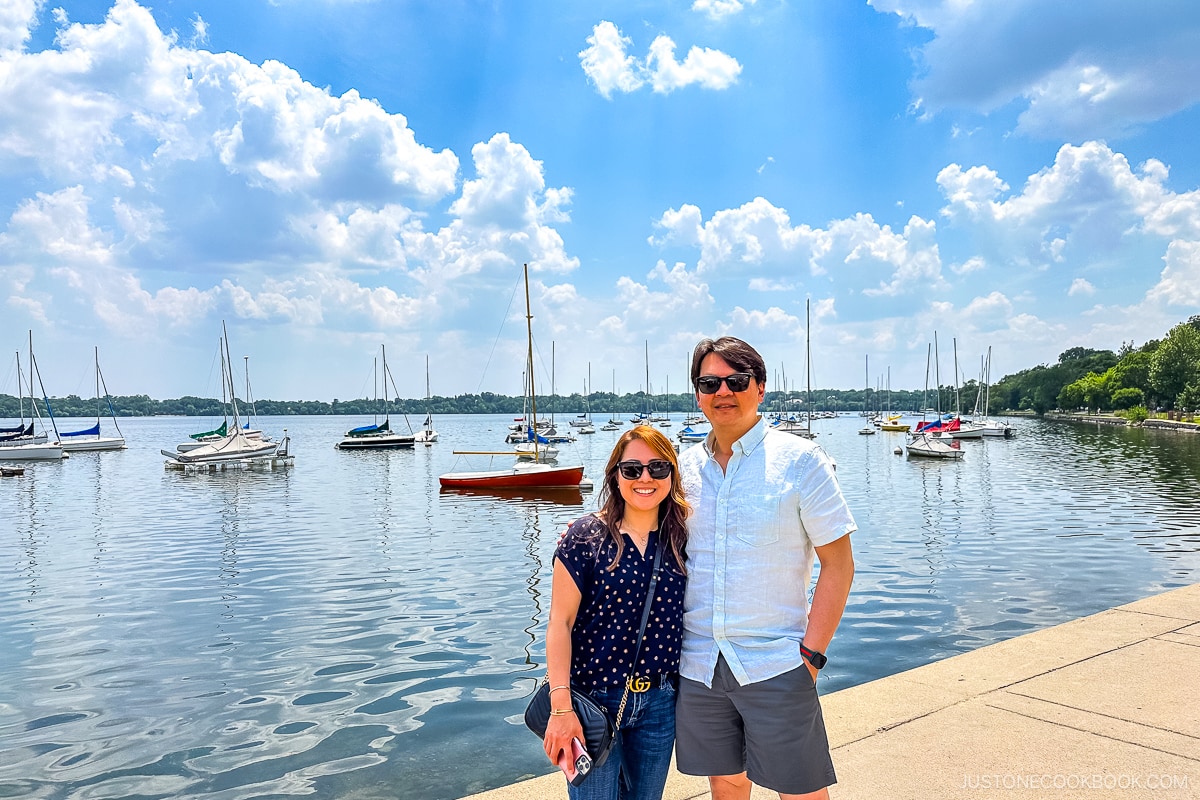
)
(737, 382)
(632, 470)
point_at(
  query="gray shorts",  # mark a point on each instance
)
(772, 730)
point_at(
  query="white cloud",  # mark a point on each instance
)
(606, 63)
(706, 67)
(610, 68)
(760, 234)
(181, 183)
(1179, 283)
(1081, 286)
(16, 19)
(768, 285)
(1088, 205)
(1097, 70)
(973, 264)
(720, 9)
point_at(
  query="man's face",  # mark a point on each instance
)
(726, 408)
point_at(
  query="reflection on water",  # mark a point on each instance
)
(346, 629)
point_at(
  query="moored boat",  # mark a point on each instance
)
(534, 474)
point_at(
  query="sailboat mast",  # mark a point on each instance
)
(649, 404)
(107, 397)
(21, 390)
(229, 369)
(937, 376)
(529, 356)
(808, 363)
(33, 369)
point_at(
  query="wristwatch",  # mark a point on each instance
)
(814, 657)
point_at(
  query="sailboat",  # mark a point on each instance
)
(236, 448)
(197, 440)
(89, 438)
(427, 435)
(868, 429)
(378, 436)
(587, 427)
(22, 443)
(892, 421)
(614, 421)
(924, 444)
(790, 424)
(992, 427)
(532, 474)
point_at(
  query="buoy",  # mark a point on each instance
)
(898, 451)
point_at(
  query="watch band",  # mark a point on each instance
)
(814, 657)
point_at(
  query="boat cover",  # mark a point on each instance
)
(19, 434)
(367, 430)
(221, 431)
(92, 431)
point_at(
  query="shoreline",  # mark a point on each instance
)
(1103, 705)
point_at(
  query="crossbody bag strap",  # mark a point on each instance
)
(637, 651)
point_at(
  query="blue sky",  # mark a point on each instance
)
(328, 176)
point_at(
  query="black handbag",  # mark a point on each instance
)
(600, 733)
(597, 728)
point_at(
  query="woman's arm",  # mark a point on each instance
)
(564, 605)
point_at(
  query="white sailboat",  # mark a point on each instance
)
(23, 443)
(89, 439)
(233, 449)
(790, 424)
(992, 427)
(614, 421)
(924, 444)
(427, 435)
(868, 429)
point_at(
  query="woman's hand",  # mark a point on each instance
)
(559, 731)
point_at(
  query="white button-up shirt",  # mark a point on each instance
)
(750, 551)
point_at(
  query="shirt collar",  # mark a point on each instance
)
(749, 441)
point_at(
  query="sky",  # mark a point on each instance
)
(326, 177)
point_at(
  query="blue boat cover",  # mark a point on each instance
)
(92, 431)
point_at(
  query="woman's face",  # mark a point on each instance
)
(643, 493)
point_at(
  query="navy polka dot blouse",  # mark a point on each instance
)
(610, 610)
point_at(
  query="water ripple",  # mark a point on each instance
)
(344, 629)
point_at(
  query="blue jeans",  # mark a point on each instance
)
(647, 738)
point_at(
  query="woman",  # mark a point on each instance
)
(601, 576)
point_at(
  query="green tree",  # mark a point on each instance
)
(1176, 363)
(1127, 398)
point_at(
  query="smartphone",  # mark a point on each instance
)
(577, 764)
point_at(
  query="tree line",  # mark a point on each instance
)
(1159, 374)
(1162, 374)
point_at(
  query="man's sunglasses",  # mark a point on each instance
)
(737, 382)
(632, 470)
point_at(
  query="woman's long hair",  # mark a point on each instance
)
(672, 512)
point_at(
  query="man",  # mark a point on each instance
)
(763, 503)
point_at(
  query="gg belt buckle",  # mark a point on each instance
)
(638, 684)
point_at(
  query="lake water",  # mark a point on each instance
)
(343, 629)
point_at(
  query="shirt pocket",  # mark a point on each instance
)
(756, 518)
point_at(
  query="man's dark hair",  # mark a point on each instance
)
(736, 353)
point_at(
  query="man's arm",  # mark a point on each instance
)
(829, 597)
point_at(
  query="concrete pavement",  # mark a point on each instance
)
(1107, 706)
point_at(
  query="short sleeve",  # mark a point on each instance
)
(823, 510)
(577, 552)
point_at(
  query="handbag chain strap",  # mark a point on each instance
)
(637, 651)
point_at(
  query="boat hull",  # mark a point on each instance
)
(389, 442)
(519, 477)
(32, 452)
(93, 445)
(928, 447)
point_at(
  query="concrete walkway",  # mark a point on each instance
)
(1107, 706)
